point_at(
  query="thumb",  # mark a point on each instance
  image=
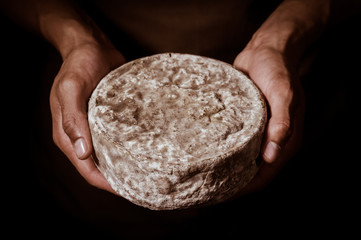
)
(75, 126)
(280, 125)
(74, 117)
(277, 134)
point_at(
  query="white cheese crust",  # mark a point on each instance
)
(176, 130)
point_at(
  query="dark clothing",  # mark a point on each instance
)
(314, 193)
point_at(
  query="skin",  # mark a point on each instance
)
(270, 59)
(79, 74)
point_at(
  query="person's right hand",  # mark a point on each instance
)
(82, 69)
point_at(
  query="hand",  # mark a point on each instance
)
(274, 75)
(270, 59)
(82, 69)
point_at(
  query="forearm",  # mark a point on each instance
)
(59, 22)
(66, 27)
(292, 27)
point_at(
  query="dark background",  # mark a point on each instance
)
(314, 195)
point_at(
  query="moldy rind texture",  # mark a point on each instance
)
(175, 131)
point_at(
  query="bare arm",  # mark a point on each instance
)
(271, 59)
(87, 55)
(59, 21)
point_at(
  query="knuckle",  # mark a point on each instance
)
(69, 124)
(282, 74)
(283, 129)
(69, 82)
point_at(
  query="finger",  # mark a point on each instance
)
(285, 128)
(277, 134)
(280, 124)
(92, 175)
(87, 167)
(72, 99)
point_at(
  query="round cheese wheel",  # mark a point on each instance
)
(175, 131)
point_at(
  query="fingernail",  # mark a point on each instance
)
(271, 152)
(79, 147)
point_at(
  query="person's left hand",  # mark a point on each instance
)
(271, 72)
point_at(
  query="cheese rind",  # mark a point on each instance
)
(176, 130)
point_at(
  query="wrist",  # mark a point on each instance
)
(283, 38)
(67, 30)
(292, 28)
(66, 37)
